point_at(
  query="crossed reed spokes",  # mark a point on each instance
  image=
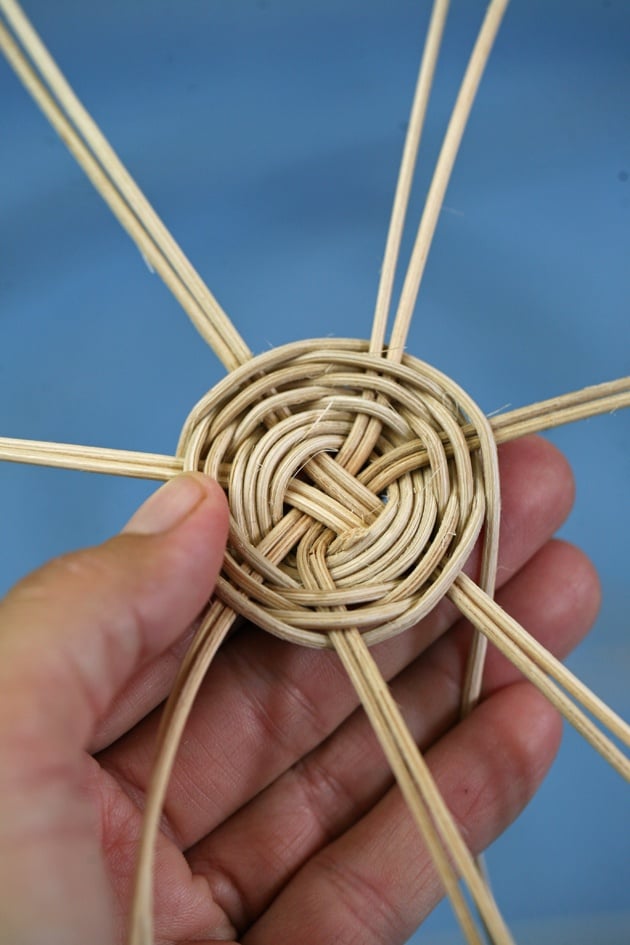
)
(359, 479)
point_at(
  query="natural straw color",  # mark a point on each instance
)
(536, 663)
(405, 175)
(358, 477)
(420, 792)
(111, 179)
(543, 415)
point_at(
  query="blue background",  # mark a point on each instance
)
(268, 135)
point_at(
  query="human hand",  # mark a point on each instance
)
(281, 822)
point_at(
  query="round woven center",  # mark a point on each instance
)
(356, 487)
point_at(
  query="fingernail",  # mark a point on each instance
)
(167, 507)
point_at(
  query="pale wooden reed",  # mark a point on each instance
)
(345, 501)
(511, 425)
(537, 664)
(92, 151)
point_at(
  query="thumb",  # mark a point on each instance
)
(71, 635)
(74, 632)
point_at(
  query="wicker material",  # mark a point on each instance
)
(393, 537)
(358, 480)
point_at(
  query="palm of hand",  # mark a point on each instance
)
(281, 821)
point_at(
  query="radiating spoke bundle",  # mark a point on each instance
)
(358, 478)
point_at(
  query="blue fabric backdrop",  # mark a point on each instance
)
(268, 136)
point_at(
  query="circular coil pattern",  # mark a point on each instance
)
(357, 487)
